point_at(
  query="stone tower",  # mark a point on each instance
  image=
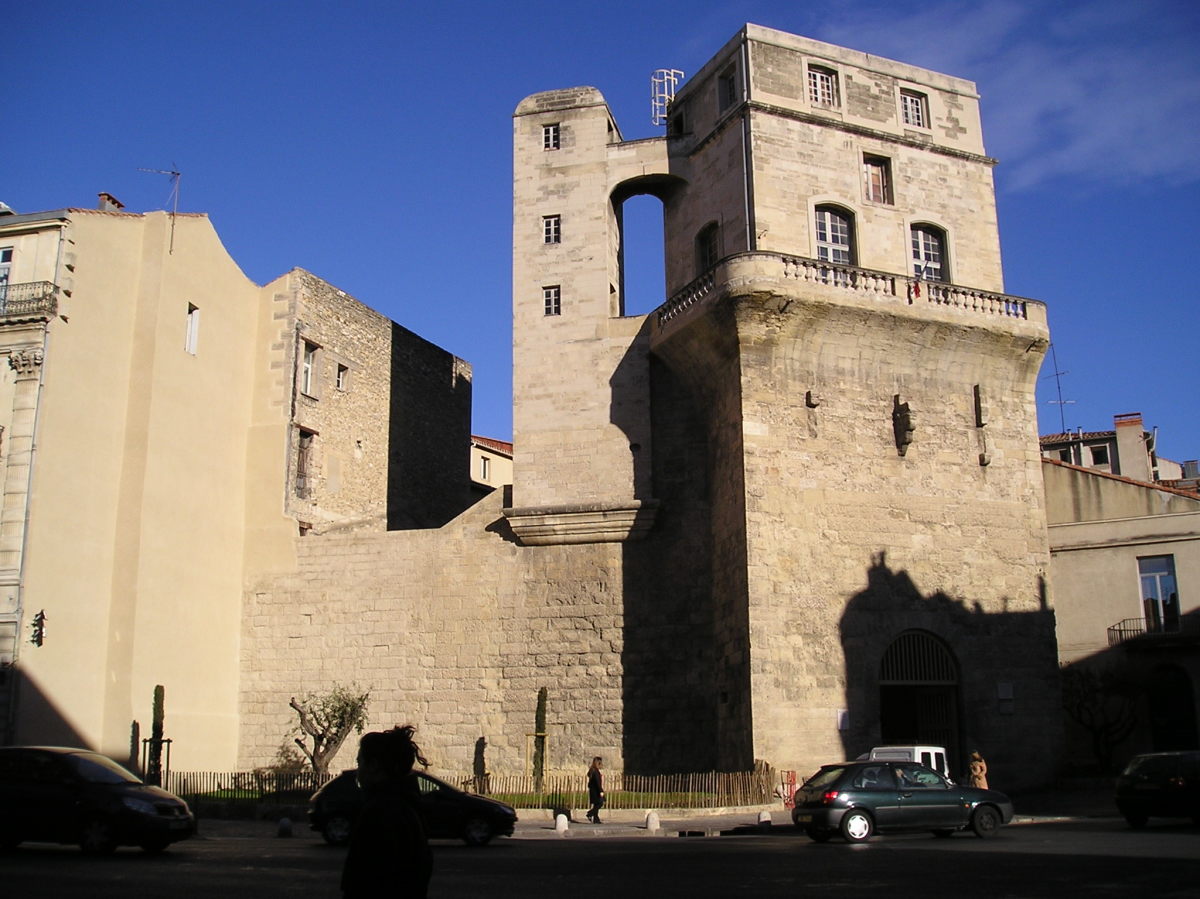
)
(820, 453)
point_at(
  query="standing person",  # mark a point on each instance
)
(389, 854)
(978, 771)
(595, 782)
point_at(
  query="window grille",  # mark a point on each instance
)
(917, 657)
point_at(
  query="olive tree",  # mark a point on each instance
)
(327, 719)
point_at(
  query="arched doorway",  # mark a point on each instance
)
(1172, 707)
(918, 693)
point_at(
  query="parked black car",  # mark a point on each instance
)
(54, 794)
(447, 813)
(857, 799)
(1160, 785)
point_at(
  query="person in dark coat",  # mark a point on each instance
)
(389, 853)
(595, 782)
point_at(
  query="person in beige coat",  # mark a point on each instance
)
(978, 771)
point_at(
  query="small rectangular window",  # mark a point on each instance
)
(1099, 455)
(915, 108)
(877, 179)
(550, 137)
(1160, 592)
(191, 336)
(343, 377)
(551, 229)
(485, 468)
(308, 369)
(1064, 455)
(552, 299)
(304, 464)
(822, 86)
(726, 89)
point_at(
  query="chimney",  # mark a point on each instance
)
(109, 203)
(1133, 455)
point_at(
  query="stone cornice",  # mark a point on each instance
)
(582, 523)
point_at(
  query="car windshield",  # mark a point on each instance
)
(95, 768)
(824, 777)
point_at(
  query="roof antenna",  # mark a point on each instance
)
(1060, 402)
(173, 196)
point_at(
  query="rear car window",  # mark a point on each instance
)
(825, 777)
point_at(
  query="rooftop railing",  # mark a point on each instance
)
(862, 281)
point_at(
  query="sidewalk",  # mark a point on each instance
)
(1064, 803)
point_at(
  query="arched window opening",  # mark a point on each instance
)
(918, 693)
(835, 242)
(929, 253)
(708, 247)
(643, 273)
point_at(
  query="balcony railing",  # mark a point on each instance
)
(1132, 628)
(866, 282)
(32, 299)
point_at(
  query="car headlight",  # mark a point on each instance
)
(141, 806)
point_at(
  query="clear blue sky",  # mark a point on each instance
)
(370, 142)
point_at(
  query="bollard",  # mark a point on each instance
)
(652, 823)
(764, 818)
(285, 828)
(560, 825)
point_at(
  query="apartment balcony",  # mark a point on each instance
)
(1141, 633)
(30, 301)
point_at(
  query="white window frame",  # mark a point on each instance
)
(914, 108)
(929, 254)
(309, 368)
(551, 136)
(551, 229)
(831, 223)
(552, 299)
(342, 380)
(191, 335)
(823, 87)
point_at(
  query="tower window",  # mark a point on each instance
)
(308, 369)
(726, 89)
(550, 137)
(304, 464)
(823, 86)
(343, 377)
(929, 253)
(914, 108)
(877, 179)
(708, 247)
(552, 299)
(835, 235)
(551, 229)
(191, 336)
(485, 468)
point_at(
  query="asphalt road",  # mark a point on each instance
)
(1097, 857)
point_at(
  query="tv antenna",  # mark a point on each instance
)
(173, 197)
(1060, 402)
(662, 91)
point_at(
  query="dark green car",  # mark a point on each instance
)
(857, 799)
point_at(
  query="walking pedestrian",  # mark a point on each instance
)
(595, 783)
(389, 853)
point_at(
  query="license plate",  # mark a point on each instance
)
(803, 819)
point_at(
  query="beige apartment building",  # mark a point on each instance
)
(170, 429)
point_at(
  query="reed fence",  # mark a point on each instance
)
(248, 793)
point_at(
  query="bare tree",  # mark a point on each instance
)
(327, 719)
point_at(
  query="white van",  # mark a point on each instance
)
(930, 756)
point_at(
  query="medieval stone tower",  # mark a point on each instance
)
(817, 460)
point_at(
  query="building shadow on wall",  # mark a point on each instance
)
(38, 720)
(1138, 695)
(932, 669)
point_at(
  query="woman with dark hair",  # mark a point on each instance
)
(595, 782)
(389, 854)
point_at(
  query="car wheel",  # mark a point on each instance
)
(155, 847)
(986, 821)
(97, 837)
(818, 834)
(943, 832)
(856, 826)
(477, 832)
(1136, 820)
(337, 830)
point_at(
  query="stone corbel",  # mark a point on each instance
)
(26, 361)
